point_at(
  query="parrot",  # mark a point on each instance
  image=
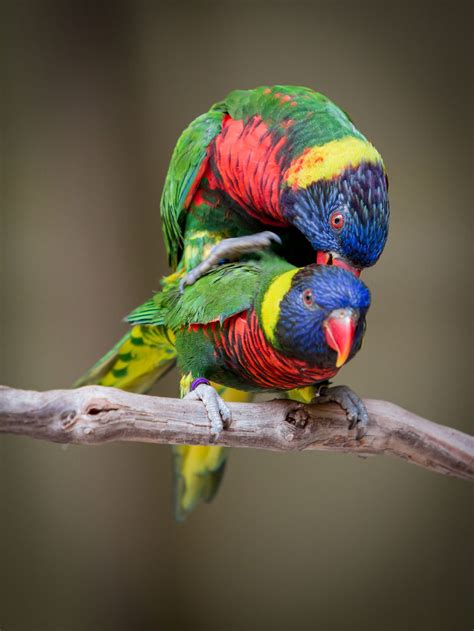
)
(279, 157)
(257, 325)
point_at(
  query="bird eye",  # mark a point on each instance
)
(336, 220)
(308, 298)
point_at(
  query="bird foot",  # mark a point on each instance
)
(350, 402)
(231, 249)
(217, 410)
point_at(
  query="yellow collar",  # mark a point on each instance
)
(272, 298)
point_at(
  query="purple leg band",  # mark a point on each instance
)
(197, 382)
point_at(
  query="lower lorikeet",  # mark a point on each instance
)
(280, 157)
(255, 326)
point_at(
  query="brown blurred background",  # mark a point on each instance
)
(94, 99)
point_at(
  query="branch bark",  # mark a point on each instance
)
(94, 415)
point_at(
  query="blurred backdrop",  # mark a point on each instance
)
(94, 99)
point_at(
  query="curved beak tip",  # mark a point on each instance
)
(340, 330)
(341, 360)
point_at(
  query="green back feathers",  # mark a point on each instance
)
(149, 313)
(316, 119)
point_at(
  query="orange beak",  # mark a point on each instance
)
(340, 329)
(329, 258)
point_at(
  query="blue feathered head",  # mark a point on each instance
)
(344, 218)
(322, 316)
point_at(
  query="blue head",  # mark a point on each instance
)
(322, 316)
(344, 218)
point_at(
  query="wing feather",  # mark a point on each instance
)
(188, 163)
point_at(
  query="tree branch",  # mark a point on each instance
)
(94, 415)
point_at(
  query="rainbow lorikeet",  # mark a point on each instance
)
(283, 157)
(258, 325)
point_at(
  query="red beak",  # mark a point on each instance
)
(340, 330)
(329, 258)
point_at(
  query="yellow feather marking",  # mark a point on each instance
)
(204, 234)
(198, 245)
(197, 461)
(171, 336)
(196, 252)
(190, 251)
(119, 364)
(172, 278)
(303, 395)
(156, 351)
(231, 394)
(327, 161)
(272, 299)
(185, 384)
(206, 250)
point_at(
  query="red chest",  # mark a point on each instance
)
(241, 346)
(246, 161)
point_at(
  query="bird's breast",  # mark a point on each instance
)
(242, 348)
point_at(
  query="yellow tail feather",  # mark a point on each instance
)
(139, 359)
(303, 395)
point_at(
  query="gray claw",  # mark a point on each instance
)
(217, 411)
(231, 249)
(351, 403)
(183, 283)
(264, 239)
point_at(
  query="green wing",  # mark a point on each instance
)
(219, 294)
(149, 313)
(316, 119)
(223, 292)
(187, 166)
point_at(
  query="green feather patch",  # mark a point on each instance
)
(223, 292)
(188, 162)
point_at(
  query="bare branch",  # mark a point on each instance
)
(94, 415)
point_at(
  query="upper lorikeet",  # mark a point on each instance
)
(259, 325)
(284, 157)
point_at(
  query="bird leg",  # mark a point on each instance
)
(350, 402)
(217, 411)
(231, 249)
